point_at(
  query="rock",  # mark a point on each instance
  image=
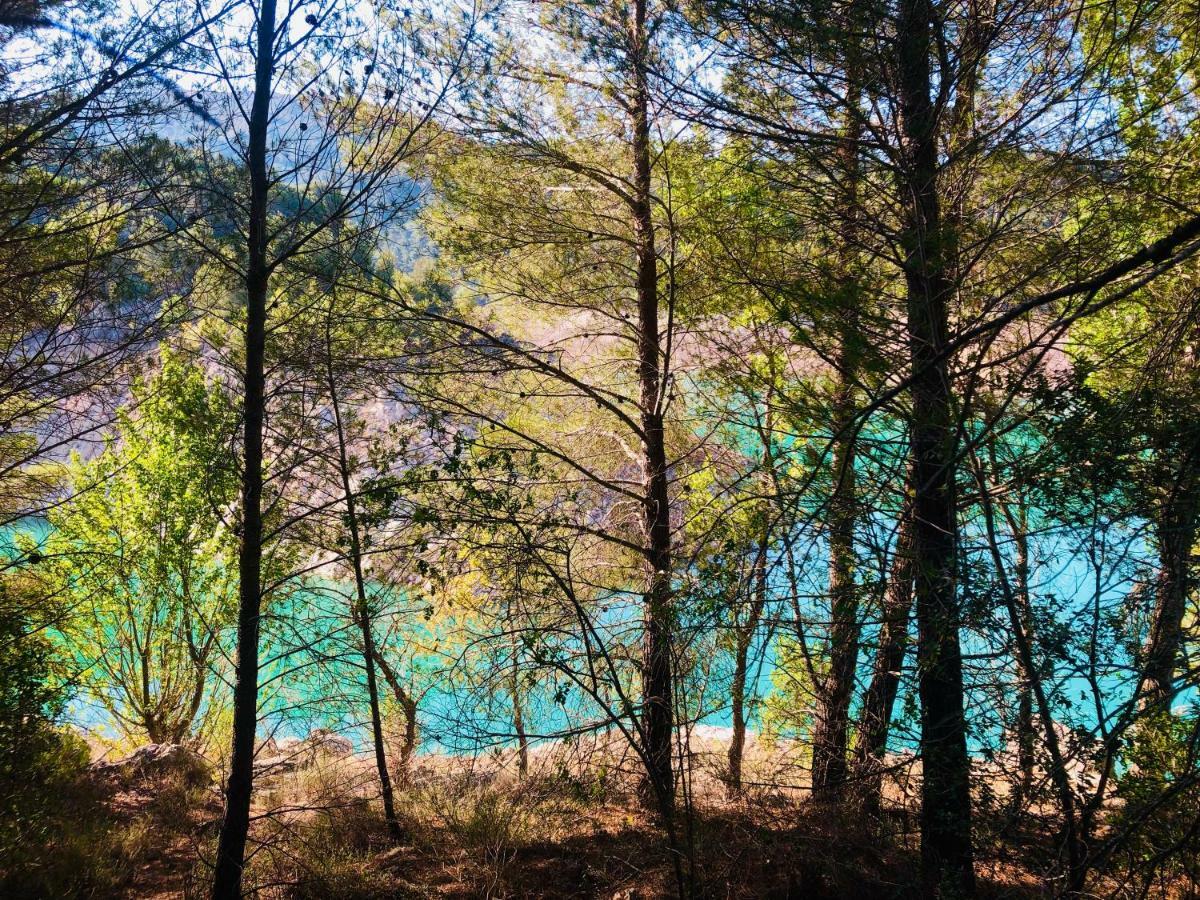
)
(276, 765)
(1079, 750)
(291, 754)
(156, 761)
(325, 741)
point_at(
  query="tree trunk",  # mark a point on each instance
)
(832, 721)
(657, 676)
(408, 703)
(737, 688)
(363, 609)
(946, 851)
(737, 705)
(1077, 861)
(519, 726)
(831, 727)
(1176, 538)
(876, 717)
(410, 732)
(1026, 736)
(231, 847)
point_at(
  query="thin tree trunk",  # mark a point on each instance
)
(408, 703)
(198, 657)
(737, 705)
(519, 724)
(737, 688)
(832, 725)
(1077, 861)
(1177, 531)
(1026, 736)
(946, 851)
(363, 609)
(1025, 733)
(875, 720)
(832, 716)
(231, 846)
(657, 723)
(657, 676)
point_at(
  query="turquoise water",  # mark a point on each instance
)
(312, 675)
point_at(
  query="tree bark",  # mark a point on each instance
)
(744, 635)
(408, 703)
(519, 725)
(363, 609)
(1026, 736)
(657, 677)
(831, 727)
(946, 850)
(876, 717)
(737, 705)
(1176, 533)
(231, 847)
(1077, 861)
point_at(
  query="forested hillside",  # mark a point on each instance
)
(616, 448)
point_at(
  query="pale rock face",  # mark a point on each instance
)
(1078, 750)
(325, 741)
(156, 761)
(292, 754)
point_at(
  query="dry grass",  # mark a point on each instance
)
(570, 828)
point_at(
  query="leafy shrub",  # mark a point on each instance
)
(48, 813)
(1157, 827)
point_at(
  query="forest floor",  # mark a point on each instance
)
(476, 831)
(611, 851)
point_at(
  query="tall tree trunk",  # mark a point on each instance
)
(1026, 735)
(1177, 532)
(362, 612)
(1077, 861)
(832, 725)
(875, 718)
(946, 851)
(737, 706)
(744, 636)
(832, 717)
(1017, 521)
(657, 676)
(231, 846)
(744, 632)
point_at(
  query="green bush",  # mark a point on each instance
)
(1157, 827)
(39, 764)
(57, 837)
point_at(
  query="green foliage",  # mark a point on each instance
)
(37, 760)
(143, 554)
(1158, 824)
(788, 707)
(67, 838)
(32, 687)
(53, 835)
(56, 838)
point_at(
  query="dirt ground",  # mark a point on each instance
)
(477, 830)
